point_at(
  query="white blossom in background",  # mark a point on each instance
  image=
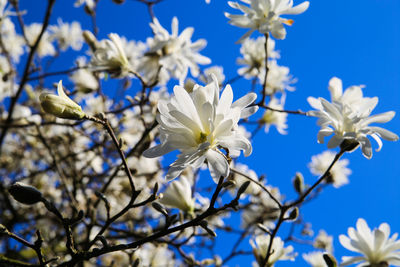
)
(315, 259)
(13, 42)
(278, 119)
(218, 71)
(239, 180)
(375, 247)
(264, 16)
(174, 52)
(324, 241)
(253, 56)
(339, 172)
(347, 117)
(67, 35)
(7, 85)
(45, 47)
(152, 255)
(83, 78)
(179, 195)
(280, 252)
(90, 4)
(197, 124)
(278, 79)
(110, 56)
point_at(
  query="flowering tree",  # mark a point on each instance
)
(138, 158)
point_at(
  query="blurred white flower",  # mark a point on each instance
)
(276, 118)
(253, 56)
(239, 180)
(174, 53)
(278, 250)
(45, 47)
(12, 41)
(179, 195)
(67, 35)
(339, 172)
(278, 79)
(375, 246)
(110, 56)
(315, 259)
(198, 124)
(218, 71)
(264, 16)
(347, 117)
(83, 78)
(324, 241)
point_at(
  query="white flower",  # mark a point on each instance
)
(264, 16)
(315, 259)
(347, 117)
(253, 56)
(198, 124)
(279, 252)
(323, 241)
(179, 195)
(218, 71)
(83, 78)
(278, 79)
(67, 35)
(339, 172)
(61, 106)
(110, 56)
(276, 118)
(375, 246)
(175, 53)
(45, 47)
(13, 42)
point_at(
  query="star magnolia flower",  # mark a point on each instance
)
(260, 247)
(276, 118)
(347, 117)
(376, 247)
(175, 53)
(315, 259)
(264, 15)
(339, 172)
(179, 195)
(253, 56)
(67, 35)
(61, 106)
(110, 56)
(198, 124)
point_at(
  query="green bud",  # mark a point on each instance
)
(298, 183)
(294, 214)
(61, 105)
(25, 194)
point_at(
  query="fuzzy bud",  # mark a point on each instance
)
(61, 105)
(298, 183)
(25, 194)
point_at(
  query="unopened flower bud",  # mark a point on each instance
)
(25, 194)
(159, 208)
(330, 260)
(298, 183)
(243, 188)
(293, 214)
(90, 39)
(61, 105)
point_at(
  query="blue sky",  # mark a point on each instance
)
(357, 41)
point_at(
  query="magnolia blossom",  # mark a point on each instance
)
(338, 173)
(61, 106)
(83, 78)
(276, 118)
(315, 259)
(347, 117)
(198, 124)
(110, 56)
(278, 251)
(67, 35)
(179, 195)
(375, 246)
(45, 47)
(278, 79)
(174, 53)
(218, 71)
(324, 241)
(253, 56)
(264, 16)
